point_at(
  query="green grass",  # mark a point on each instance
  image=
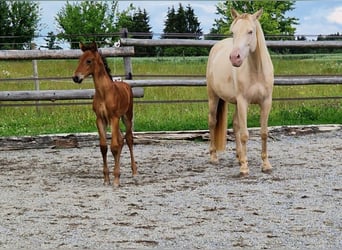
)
(166, 116)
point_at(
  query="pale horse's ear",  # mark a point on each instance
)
(257, 14)
(234, 13)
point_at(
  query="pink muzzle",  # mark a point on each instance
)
(235, 58)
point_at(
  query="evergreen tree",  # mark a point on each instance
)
(169, 26)
(137, 23)
(182, 24)
(18, 23)
(51, 42)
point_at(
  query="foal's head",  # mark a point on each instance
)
(244, 29)
(90, 59)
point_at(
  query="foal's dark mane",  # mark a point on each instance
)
(105, 63)
(104, 59)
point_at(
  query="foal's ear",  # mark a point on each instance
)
(82, 47)
(93, 46)
(234, 13)
(257, 14)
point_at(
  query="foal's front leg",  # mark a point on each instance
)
(101, 126)
(116, 148)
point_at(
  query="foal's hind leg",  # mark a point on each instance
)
(101, 126)
(127, 120)
(265, 110)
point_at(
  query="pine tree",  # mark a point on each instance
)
(136, 21)
(182, 24)
(51, 42)
(169, 26)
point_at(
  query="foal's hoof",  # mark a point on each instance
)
(116, 183)
(244, 171)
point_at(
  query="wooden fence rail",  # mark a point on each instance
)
(208, 43)
(54, 95)
(128, 50)
(138, 92)
(61, 54)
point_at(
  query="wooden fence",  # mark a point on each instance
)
(127, 50)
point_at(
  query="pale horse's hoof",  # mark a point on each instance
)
(213, 159)
(266, 167)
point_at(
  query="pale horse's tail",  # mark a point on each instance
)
(220, 132)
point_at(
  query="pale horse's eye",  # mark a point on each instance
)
(250, 32)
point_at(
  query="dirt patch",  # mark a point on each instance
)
(53, 197)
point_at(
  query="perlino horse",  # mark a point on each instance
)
(240, 72)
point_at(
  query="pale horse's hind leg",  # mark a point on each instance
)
(264, 113)
(213, 104)
(236, 129)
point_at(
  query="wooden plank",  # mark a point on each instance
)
(166, 42)
(92, 139)
(278, 80)
(53, 95)
(138, 85)
(209, 43)
(61, 54)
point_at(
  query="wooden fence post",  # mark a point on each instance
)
(127, 66)
(127, 59)
(36, 80)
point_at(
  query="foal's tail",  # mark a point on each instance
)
(220, 132)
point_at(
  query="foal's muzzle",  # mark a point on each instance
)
(77, 79)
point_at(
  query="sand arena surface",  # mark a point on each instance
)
(53, 197)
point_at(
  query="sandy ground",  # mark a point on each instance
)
(54, 197)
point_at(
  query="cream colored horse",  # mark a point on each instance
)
(239, 71)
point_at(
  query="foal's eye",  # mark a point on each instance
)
(88, 61)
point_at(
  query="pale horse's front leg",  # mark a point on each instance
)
(241, 134)
(264, 113)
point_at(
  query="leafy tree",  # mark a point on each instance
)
(136, 21)
(276, 25)
(87, 21)
(18, 23)
(182, 24)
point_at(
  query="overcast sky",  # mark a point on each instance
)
(315, 17)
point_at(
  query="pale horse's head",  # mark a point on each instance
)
(244, 27)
